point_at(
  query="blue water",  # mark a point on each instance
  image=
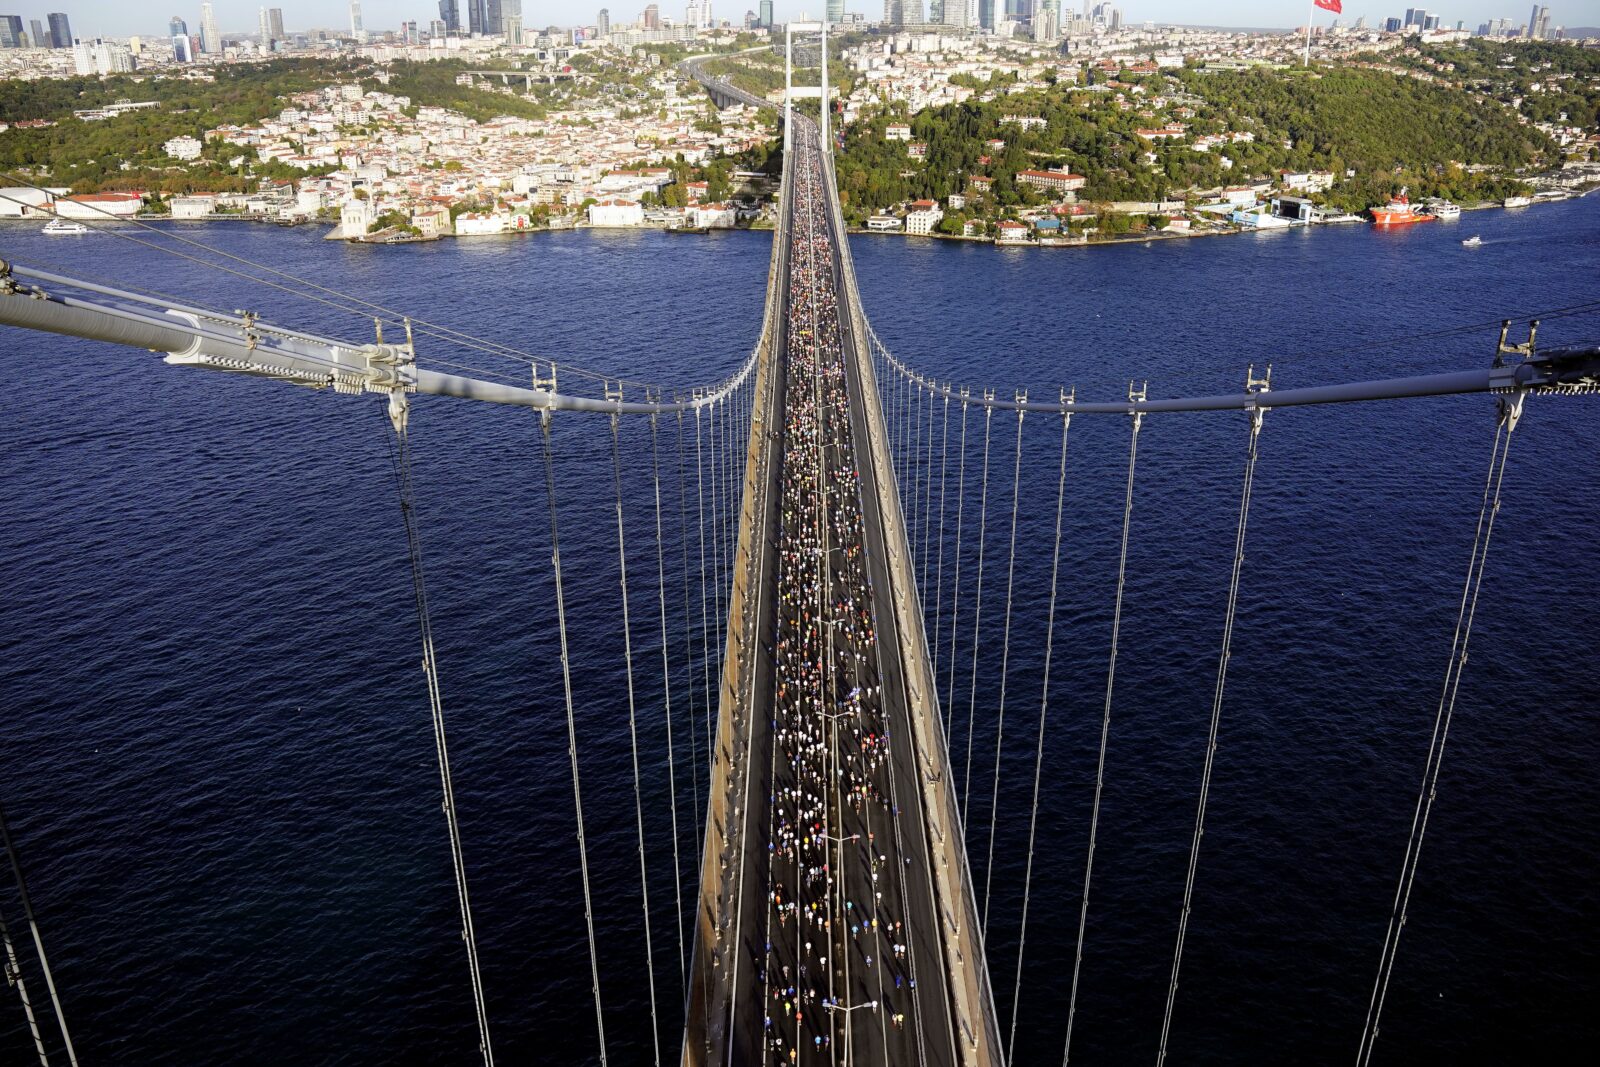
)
(217, 757)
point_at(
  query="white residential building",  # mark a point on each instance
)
(184, 147)
(923, 217)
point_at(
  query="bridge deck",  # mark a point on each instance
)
(833, 905)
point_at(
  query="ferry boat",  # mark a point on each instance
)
(1444, 209)
(1517, 201)
(1398, 212)
(62, 226)
(1473, 242)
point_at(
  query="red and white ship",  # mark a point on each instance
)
(1398, 212)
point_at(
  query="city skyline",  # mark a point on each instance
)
(91, 18)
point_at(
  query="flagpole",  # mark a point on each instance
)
(1311, 13)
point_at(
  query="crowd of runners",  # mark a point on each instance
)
(839, 972)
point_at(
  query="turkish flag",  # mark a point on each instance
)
(1336, 6)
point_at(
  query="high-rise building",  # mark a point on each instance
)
(36, 34)
(178, 27)
(652, 17)
(1431, 22)
(602, 23)
(985, 14)
(261, 28)
(210, 39)
(355, 21)
(765, 18)
(182, 48)
(275, 23)
(485, 17)
(511, 20)
(1391, 25)
(60, 31)
(834, 11)
(10, 31)
(450, 15)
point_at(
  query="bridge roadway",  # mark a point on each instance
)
(827, 933)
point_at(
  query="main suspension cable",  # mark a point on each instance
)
(1038, 756)
(633, 731)
(572, 726)
(401, 457)
(1509, 413)
(1105, 722)
(13, 972)
(1005, 663)
(1216, 705)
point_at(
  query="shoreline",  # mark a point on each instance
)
(333, 231)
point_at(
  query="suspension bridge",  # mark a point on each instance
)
(836, 916)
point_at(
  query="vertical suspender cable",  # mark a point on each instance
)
(705, 620)
(666, 691)
(718, 619)
(914, 480)
(13, 972)
(1251, 453)
(430, 669)
(938, 595)
(572, 726)
(977, 608)
(1105, 723)
(688, 628)
(955, 581)
(1044, 706)
(927, 501)
(1509, 414)
(1005, 663)
(633, 732)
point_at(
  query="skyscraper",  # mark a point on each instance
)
(60, 31)
(835, 11)
(765, 20)
(210, 39)
(178, 27)
(275, 23)
(652, 17)
(484, 17)
(450, 15)
(355, 20)
(10, 31)
(511, 20)
(602, 23)
(261, 28)
(40, 38)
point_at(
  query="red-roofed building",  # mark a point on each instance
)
(1057, 180)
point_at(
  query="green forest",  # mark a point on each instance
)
(1391, 131)
(1508, 72)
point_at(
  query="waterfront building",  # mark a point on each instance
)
(923, 217)
(1058, 181)
(617, 212)
(60, 31)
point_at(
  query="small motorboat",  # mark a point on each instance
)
(62, 226)
(1473, 242)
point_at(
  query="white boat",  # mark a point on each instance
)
(1443, 209)
(61, 226)
(1473, 242)
(1518, 201)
